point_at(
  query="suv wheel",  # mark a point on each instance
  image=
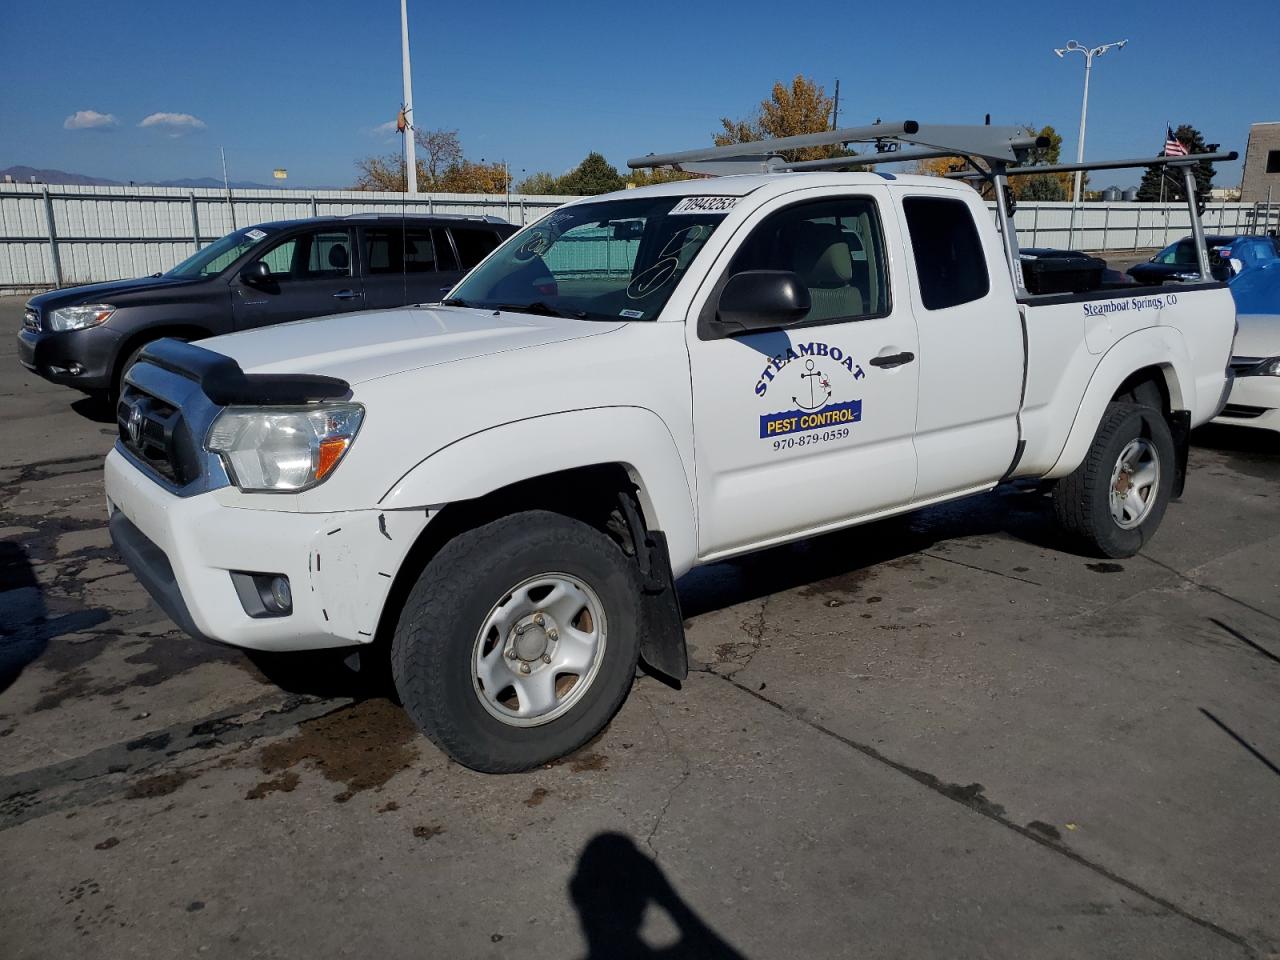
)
(1114, 501)
(519, 641)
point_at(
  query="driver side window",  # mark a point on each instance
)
(836, 247)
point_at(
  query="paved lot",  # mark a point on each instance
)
(936, 736)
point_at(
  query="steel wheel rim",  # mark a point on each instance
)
(1135, 483)
(539, 650)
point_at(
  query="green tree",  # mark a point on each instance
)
(1150, 188)
(541, 183)
(1050, 186)
(592, 176)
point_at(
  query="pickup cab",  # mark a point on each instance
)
(500, 491)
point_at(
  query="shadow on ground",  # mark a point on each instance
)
(25, 625)
(613, 888)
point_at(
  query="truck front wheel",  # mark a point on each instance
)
(1114, 501)
(519, 641)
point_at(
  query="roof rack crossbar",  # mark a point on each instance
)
(1188, 160)
(997, 144)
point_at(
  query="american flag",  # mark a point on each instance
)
(1173, 147)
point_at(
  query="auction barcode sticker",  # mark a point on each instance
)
(705, 205)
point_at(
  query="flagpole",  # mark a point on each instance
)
(410, 154)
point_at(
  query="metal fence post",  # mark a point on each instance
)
(314, 212)
(195, 222)
(523, 218)
(53, 237)
(1137, 230)
(1106, 222)
(1035, 223)
(431, 205)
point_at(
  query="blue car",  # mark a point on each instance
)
(1255, 263)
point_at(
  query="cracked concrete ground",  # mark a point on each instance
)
(939, 735)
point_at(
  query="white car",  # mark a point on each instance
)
(503, 487)
(1255, 397)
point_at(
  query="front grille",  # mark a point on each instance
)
(1242, 412)
(31, 321)
(156, 433)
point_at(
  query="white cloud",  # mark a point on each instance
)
(90, 120)
(174, 124)
(385, 129)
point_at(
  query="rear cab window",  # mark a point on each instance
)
(951, 267)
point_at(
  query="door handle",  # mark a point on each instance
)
(893, 359)
(345, 295)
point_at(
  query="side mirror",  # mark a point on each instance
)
(256, 274)
(762, 300)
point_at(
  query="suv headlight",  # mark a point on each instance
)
(1266, 368)
(77, 318)
(283, 449)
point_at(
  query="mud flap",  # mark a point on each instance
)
(1180, 428)
(662, 641)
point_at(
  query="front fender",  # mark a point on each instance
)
(1162, 347)
(497, 457)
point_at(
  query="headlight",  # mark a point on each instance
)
(283, 448)
(77, 318)
(1267, 368)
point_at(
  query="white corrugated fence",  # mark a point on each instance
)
(62, 235)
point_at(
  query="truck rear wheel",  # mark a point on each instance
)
(519, 641)
(1114, 501)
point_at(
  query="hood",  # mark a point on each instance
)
(1259, 335)
(103, 292)
(377, 343)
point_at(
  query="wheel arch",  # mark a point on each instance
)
(1126, 369)
(492, 474)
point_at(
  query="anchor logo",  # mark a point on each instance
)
(817, 381)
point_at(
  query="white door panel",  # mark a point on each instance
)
(796, 428)
(971, 353)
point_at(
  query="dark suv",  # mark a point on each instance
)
(86, 337)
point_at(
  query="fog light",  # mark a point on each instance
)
(263, 594)
(281, 593)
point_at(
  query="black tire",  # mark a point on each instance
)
(435, 638)
(1082, 500)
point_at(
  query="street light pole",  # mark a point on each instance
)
(410, 153)
(1089, 53)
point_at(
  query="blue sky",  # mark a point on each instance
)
(303, 84)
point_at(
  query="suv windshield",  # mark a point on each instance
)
(219, 255)
(610, 260)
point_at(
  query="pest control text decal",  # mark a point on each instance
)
(815, 385)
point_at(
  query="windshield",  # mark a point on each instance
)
(219, 255)
(615, 259)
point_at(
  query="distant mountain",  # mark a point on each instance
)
(22, 174)
(198, 182)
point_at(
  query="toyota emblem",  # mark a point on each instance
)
(134, 424)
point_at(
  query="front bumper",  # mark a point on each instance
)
(1254, 402)
(183, 549)
(84, 359)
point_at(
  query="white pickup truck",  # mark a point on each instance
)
(499, 491)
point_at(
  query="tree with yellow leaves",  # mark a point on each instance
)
(791, 109)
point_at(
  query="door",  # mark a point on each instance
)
(806, 427)
(971, 346)
(407, 264)
(312, 274)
